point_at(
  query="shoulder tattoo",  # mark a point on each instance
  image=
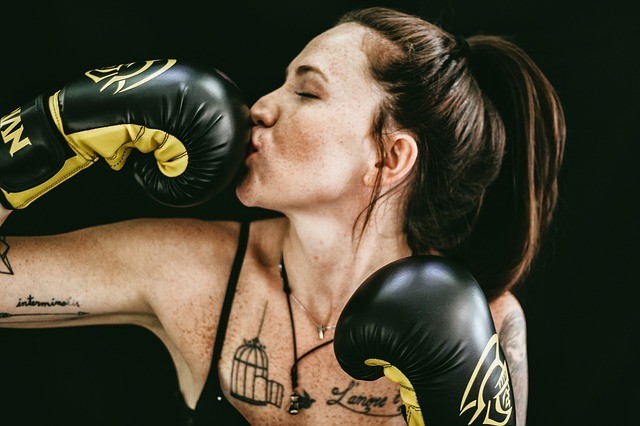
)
(513, 338)
(5, 266)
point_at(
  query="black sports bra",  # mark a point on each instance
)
(212, 407)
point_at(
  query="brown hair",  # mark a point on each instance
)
(491, 135)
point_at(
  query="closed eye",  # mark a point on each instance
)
(307, 95)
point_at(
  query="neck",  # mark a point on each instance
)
(326, 260)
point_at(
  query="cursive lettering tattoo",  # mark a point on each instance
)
(30, 301)
(5, 267)
(368, 405)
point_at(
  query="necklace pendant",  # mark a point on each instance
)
(294, 407)
(320, 333)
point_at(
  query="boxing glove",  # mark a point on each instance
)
(424, 323)
(188, 125)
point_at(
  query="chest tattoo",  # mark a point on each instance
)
(350, 398)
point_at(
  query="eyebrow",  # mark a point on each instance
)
(304, 69)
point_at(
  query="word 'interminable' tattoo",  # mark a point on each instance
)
(30, 301)
(365, 404)
(5, 267)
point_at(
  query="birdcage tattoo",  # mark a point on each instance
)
(250, 376)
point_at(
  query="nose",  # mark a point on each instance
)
(264, 111)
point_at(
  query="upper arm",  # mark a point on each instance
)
(103, 274)
(510, 324)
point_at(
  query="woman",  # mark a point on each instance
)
(389, 137)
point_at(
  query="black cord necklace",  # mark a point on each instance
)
(298, 401)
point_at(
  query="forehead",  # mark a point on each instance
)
(338, 53)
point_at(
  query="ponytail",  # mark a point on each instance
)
(517, 208)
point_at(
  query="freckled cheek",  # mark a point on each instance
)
(302, 146)
(306, 141)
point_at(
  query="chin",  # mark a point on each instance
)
(243, 197)
(248, 193)
(254, 192)
(250, 196)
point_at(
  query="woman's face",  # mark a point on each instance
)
(311, 139)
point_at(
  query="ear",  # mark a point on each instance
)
(401, 152)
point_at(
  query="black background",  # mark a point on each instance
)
(580, 302)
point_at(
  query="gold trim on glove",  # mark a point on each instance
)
(407, 392)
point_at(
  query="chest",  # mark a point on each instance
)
(262, 365)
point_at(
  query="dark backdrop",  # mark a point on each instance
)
(579, 302)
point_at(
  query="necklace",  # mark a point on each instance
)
(321, 328)
(298, 401)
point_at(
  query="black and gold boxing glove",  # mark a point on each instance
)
(424, 323)
(188, 124)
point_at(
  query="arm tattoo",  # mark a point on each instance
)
(48, 316)
(67, 316)
(32, 301)
(5, 267)
(513, 339)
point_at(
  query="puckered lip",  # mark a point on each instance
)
(251, 149)
(254, 145)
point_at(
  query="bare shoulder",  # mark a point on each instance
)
(182, 258)
(180, 232)
(162, 244)
(193, 260)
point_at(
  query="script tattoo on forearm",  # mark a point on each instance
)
(5, 267)
(32, 302)
(368, 405)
